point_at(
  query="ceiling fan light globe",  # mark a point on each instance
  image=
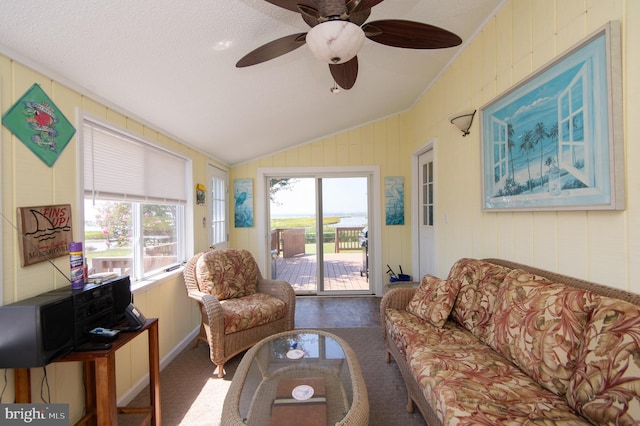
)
(335, 42)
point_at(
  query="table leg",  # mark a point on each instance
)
(105, 379)
(154, 375)
(22, 385)
(89, 374)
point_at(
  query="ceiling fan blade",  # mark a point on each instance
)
(310, 15)
(272, 50)
(292, 4)
(409, 34)
(359, 17)
(345, 74)
(358, 5)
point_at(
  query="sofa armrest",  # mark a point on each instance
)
(396, 298)
(281, 290)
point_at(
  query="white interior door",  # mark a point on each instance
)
(426, 209)
(218, 204)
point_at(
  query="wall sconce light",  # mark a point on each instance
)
(463, 121)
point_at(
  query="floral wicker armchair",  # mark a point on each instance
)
(238, 306)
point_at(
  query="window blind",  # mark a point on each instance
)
(121, 167)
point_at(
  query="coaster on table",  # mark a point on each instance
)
(302, 392)
(295, 354)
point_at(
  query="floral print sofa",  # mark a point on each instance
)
(501, 343)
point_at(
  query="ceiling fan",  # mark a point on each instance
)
(338, 29)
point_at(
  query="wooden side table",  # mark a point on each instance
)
(100, 380)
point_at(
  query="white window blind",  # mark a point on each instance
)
(120, 166)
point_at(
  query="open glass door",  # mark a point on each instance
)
(318, 233)
(292, 226)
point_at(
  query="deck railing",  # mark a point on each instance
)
(348, 239)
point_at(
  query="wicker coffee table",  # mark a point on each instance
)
(308, 377)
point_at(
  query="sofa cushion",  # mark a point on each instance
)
(433, 300)
(251, 311)
(468, 383)
(479, 283)
(406, 329)
(606, 385)
(226, 274)
(539, 325)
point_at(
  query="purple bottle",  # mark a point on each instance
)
(76, 259)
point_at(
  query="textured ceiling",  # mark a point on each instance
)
(171, 64)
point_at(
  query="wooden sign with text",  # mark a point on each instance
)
(45, 232)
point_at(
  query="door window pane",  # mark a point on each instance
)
(218, 210)
(427, 194)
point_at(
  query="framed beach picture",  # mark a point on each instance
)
(554, 141)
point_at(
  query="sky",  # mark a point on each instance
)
(341, 196)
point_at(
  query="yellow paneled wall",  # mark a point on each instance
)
(380, 143)
(27, 181)
(522, 37)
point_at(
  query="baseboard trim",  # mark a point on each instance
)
(144, 381)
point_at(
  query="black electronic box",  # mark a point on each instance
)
(41, 329)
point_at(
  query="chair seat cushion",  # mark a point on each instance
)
(251, 311)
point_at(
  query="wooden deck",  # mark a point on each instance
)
(343, 272)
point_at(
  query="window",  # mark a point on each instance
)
(218, 181)
(427, 194)
(135, 199)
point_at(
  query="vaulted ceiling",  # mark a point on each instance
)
(171, 64)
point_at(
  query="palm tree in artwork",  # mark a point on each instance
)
(539, 135)
(510, 145)
(527, 146)
(553, 135)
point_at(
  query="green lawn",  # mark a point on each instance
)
(111, 252)
(302, 222)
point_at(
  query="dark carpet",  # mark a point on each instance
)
(191, 395)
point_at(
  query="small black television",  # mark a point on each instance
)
(36, 331)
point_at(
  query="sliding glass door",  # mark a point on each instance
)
(318, 232)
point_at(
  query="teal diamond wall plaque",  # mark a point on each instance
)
(39, 124)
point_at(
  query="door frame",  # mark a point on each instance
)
(375, 209)
(415, 206)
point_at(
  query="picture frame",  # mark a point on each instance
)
(554, 141)
(243, 203)
(201, 194)
(45, 232)
(394, 200)
(39, 124)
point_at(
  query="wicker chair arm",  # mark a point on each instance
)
(196, 295)
(276, 288)
(213, 321)
(281, 290)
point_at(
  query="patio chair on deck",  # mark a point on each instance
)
(237, 305)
